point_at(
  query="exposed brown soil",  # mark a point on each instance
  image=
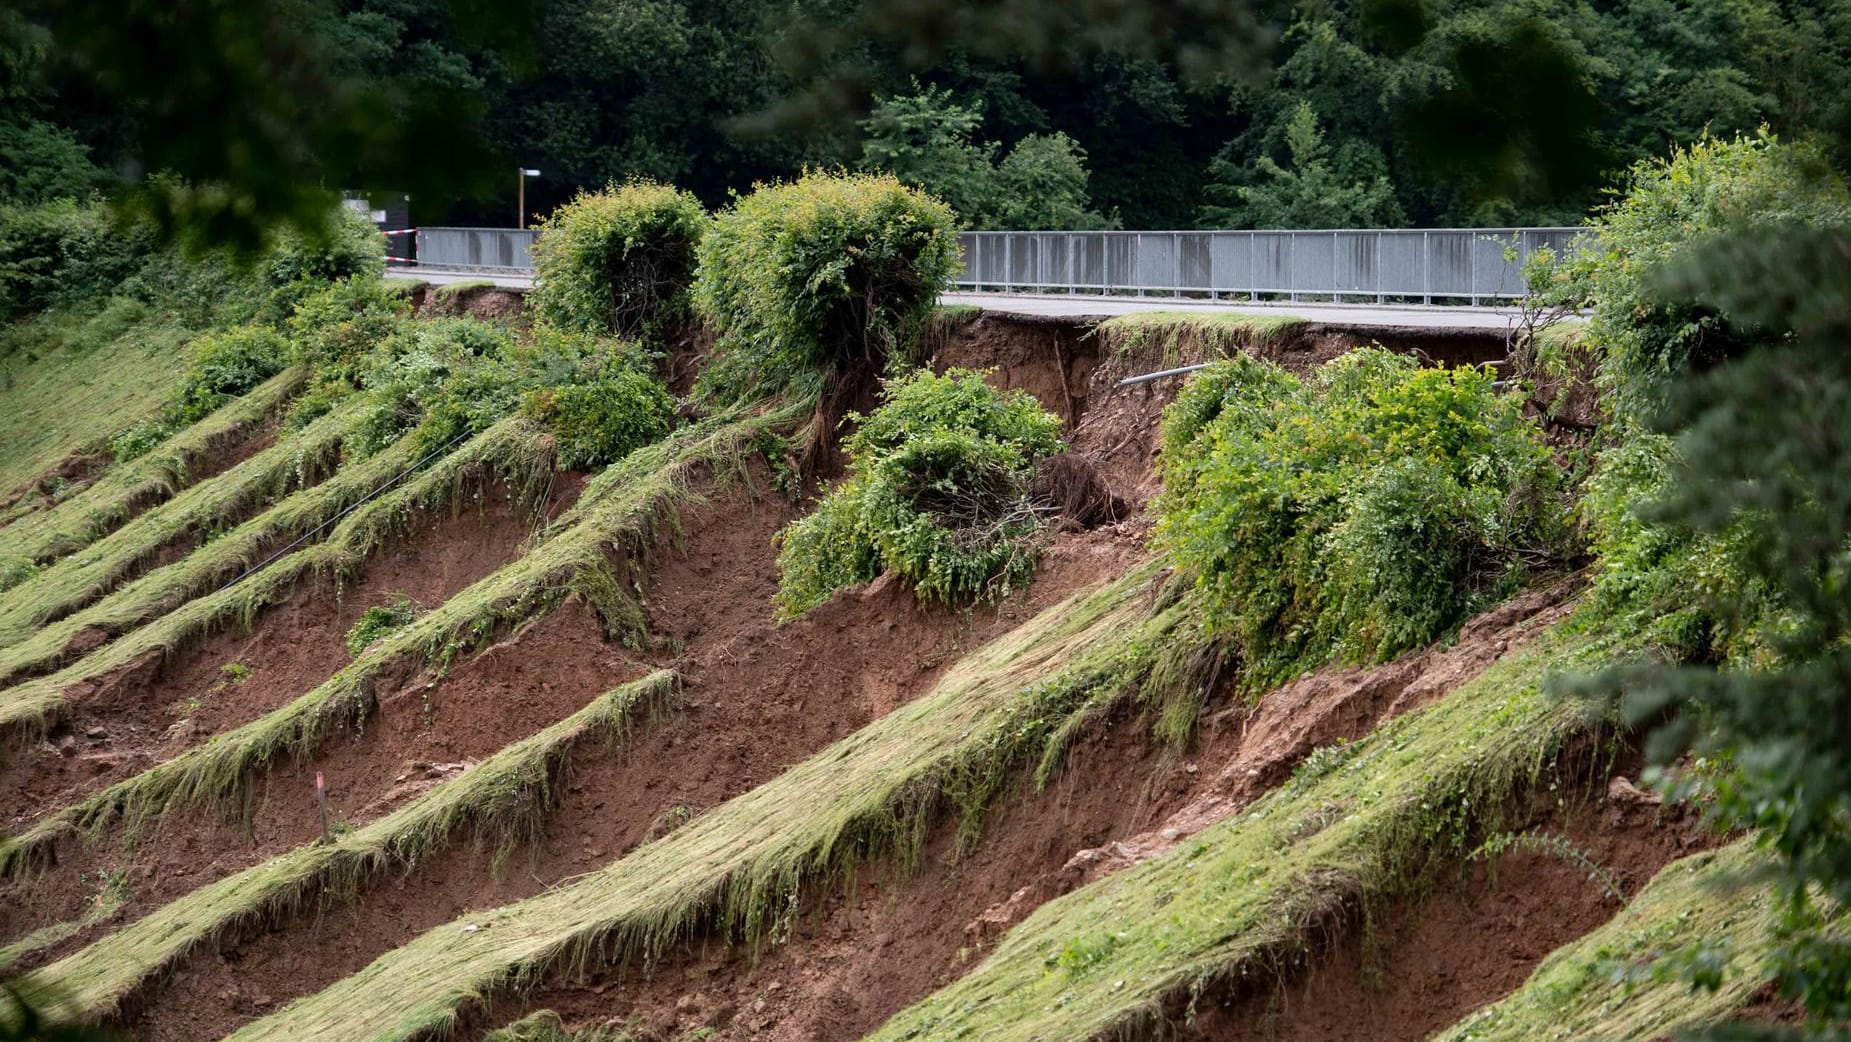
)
(1427, 964)
(487, 302)
(59, 482)
(149, 712)
(759, 697)
(858, 957)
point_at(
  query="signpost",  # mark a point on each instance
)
(520, 197)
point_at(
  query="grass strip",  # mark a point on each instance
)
(206, 569)
(738, 870)
(125, 490)
(1356, 827)
(621, 512)
(502, 802)
(1188, 337)
(1604, 985)
(293, 468)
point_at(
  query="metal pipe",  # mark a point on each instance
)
(1148, 377)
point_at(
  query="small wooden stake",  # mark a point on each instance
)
(321, 797)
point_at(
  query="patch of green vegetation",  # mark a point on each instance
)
(618, 261)
(827, 274)
(124, 491)
(1360, 512)
(1622, 980)
(545, 1026)
(62, 391)
(1189, 337)
(938, 492)
(236, 672)
(606, 418)
(379, 620)
(42, 614)
(1233, 902)
(621, 512)
(502, 802)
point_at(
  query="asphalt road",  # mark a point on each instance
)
(1499, 319)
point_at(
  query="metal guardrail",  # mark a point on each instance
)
(1447, 264)
(497, 250)
(1466, 264)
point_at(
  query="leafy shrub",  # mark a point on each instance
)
(442, 378)
(336, 330)
(938, 492)
(1681, 590)
(379, 622)
(1643, 338)
(618, 261)
(829, 272)
(1362, 512)
(603, 420)
(300, 264)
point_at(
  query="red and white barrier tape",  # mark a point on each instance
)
(402, 231)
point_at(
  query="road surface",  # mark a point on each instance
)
(1499, 320)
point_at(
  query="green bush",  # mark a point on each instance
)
(829, 272)
(442, 378)
(380, 621)
(300, 265)
(1360, 513)
(1644, 338)
(605, 419)
(1682, 591)
(618, 261)
(336, 330)
(938, 491)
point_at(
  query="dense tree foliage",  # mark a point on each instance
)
(1162, 114)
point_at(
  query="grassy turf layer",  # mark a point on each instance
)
(127, 489)
(1355, 827)
(293, 469)
(503, 801)
(59, 394)
(622, 511)
(1188, 337)
(739, 868)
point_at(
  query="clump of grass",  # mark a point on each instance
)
(738, 869)
(1612, 983)
(124, 491)
(379, 620)
(31, 613)
(1232, 906)
(621, 512)
(1189, 337)
(502, 802)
